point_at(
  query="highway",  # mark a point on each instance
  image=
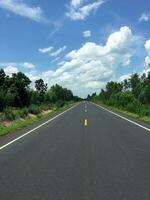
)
(87, 153)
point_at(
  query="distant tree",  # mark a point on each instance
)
(15, 91)
(126, 84)
(19, 85)
(2, 77)
(68, 95)
(135, 82)
(2, 99)
(113, 88)
(40, 86)
(58, 92)
(93, 95)
(143, 77)
(88, 97)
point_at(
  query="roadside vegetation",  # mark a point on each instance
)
(20, 105)
(131, 96)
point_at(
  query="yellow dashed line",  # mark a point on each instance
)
(85, 122)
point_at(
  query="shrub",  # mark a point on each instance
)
(23, 113)
(9, 114)
(145, 110)
(125, 98)
(45, 107)
(34, 109)
(134, 107)
(60, 104)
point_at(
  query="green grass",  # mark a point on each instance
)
(121, 111)
(21, 123)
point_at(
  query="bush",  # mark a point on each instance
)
(34, 109)
(45, 107)
(134, 107)
(60, 104)
(145, 111)
(125, 98)
(121, 99)
(9, 114)
(23, 113)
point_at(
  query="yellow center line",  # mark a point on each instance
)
(85, 122)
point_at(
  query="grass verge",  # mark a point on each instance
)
(21, 123)
(127, 113)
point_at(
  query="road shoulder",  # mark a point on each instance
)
(6, 139)
(128, 117)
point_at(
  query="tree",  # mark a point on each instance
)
(113, 88)
(40, 86)
(2, 100)
(68, 95)
(58, 92)
(2, 77)
(88, 97)
(15, 92)
(19, 85)
(135, 85)
(126, 85)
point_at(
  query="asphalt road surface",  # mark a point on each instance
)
(87, 153)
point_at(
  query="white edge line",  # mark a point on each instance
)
(34, 129)
(122, 117)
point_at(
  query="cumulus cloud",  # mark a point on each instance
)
(144, 17)
(147, 47)
(80, 9)
(87, 33)
(9, 70)
(22, 9)
(88, 68)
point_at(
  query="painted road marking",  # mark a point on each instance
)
(15, 140)
(85, 110)
(85, 122)
(135, 123)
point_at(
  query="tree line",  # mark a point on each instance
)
(132, 94)
(15, 91)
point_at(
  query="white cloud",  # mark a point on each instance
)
(88, 68)
(46, 50)
(58, 51)
(87, 33)
(50, 51)
(9, 70)
(79, 10)
(76, 3)
(22, 9)
(144, 17)
(125, 76)
(147, 47)
(55, 60)
(28, 65)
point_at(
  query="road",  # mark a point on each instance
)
(109, 159)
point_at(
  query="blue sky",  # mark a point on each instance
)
(80, 44)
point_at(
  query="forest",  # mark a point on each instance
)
(131, 95)
(16, 93)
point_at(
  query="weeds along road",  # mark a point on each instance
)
(87, 153)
